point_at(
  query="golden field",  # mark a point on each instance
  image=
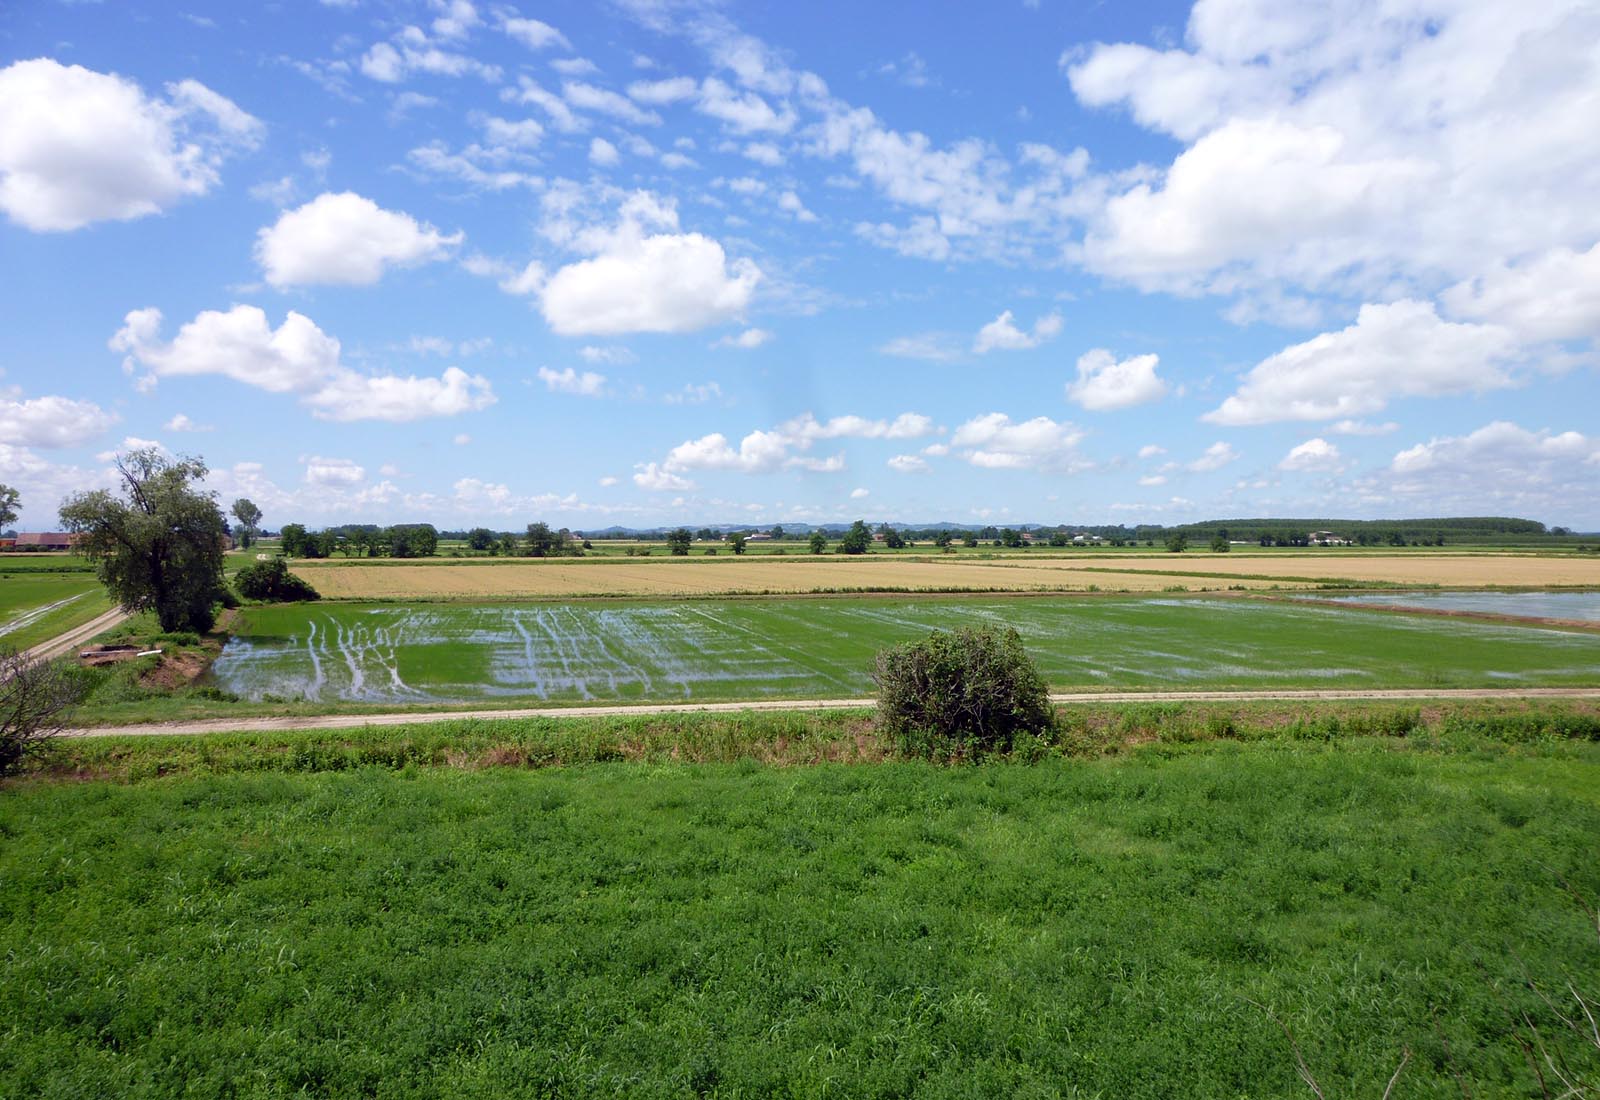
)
(666, 577)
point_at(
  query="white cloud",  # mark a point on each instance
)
(529, 91)
(607, 481)
(1313, 454)
(693, 394)
(613, 354)
(1362, 427)
(806, 428)
(994, 441)
(1104, 383)
(297, 357)
(1500, 469)
(638, 281)
(505, 133)
(533, 34)
(749, 339)
(575, 66)
(461, 439)
(742, 112)
(412, 51)
(763, 152)
(1353, 145)
(908, 464)
(1151, 480)
(588, 97)
(1399, 350)
(860, 494)
(933, 346)
(345, 240)
(1216, 456)
(77, 146)
(603, 154)
(660, 93)
(333, 471)
(50, 421)
(657, 480)
(1002, 334)
(584, 384)
(182, 423)
(1554, 296)
(790, 203)
(1151, 450)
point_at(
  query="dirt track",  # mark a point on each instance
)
(65, 643)
(357, 721)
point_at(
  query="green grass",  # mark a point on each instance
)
(26, 593)
(1068, 929)
(749, 649)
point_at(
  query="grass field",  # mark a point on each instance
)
(37, 604)
(751, 649)
(1069, 929)
(513, 578)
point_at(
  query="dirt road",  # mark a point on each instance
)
(65, 643)
(357, 721)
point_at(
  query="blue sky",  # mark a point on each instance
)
(651, 262)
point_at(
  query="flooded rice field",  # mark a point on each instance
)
(754, 649)
(1576, 606)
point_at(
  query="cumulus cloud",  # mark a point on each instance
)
(784, 447)
(994, 441)
(643, 281)
(582, 384)
(532, 33)
(657, 480)
(1002, 334)
(1333, 146)
(295, 358)
(932, 346)
(589, 97)
(1216, 456)
(333, 471)
(345, 240)
(411, 51)
(1501, 465)
(181, 422)
(1553, 296)
(908, 464)
(1313, 454)
(747, 340)
(602, 154)
(1104, 383)
(78, 146)
(50, 421)
(1403, 349)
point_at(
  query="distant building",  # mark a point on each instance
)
(1087, 540)
(45, 540)
(758, 536)
(1326, 538)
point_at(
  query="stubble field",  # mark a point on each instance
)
(526, 579)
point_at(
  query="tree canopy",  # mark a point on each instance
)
(249, 517)
(158, 546)
(10, 500)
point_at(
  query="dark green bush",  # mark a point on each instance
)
(963, 692)
(271, 581)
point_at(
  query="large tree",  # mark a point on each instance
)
(857, 540)
(10, 499)
(157, 546)
(249, 517)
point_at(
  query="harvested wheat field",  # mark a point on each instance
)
(524, 579)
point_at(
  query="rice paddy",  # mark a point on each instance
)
(754, 649)
(36, 605)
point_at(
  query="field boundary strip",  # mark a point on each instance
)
(417, 718)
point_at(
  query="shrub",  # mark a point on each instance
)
(35, 697)
(271, 581)
(964, 692)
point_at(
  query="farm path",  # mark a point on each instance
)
(63, 643)
(414, 718)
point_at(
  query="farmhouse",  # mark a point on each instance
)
(45, 540)
(1326, 538)
(758, 536)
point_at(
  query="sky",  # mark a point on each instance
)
(649, 262)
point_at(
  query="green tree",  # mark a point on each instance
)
(480, 538)
(679, 539)
(856, 540)
(292, 540)
(1177, 542)
(892, 539)
(159, 546)
(776, 532)
(507, 546)
(819, 542)
(10, 501)
(249, 517)
(541, 540)
(942, 539)
(1219, 543)
(736, 541)
(1010, 538)
(969, 540)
